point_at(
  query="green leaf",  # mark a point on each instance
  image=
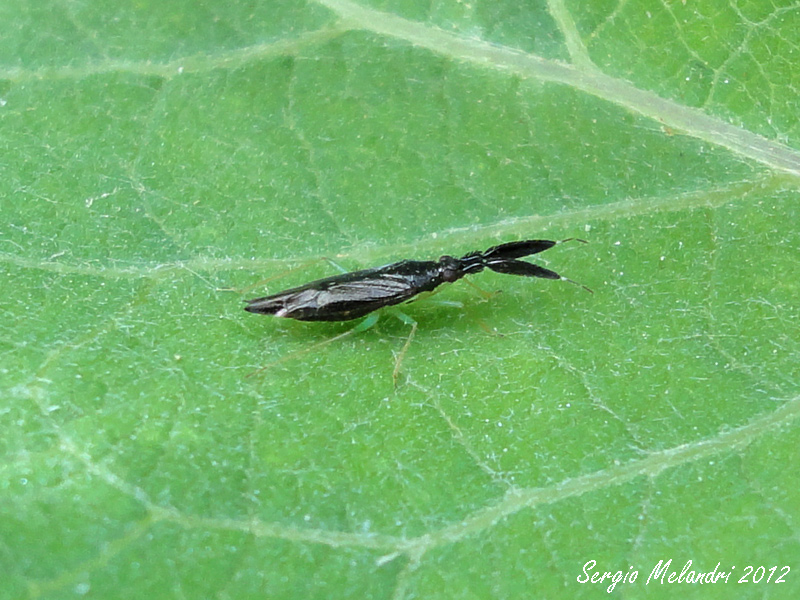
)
(159, 442)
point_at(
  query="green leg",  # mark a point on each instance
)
(335, 265)
(484, 294)
(398, 361)
(300, 267)
(368, 322)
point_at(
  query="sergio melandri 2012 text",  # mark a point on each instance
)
(664, 574)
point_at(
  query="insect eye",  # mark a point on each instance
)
(449, 275)
(449, 269)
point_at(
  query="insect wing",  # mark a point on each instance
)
(337, 298)
(375, 288)
(346, 300)
(520, 267)
(271, 304)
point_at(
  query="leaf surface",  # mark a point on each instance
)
(156, 156)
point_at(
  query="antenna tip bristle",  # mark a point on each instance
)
(578, 284)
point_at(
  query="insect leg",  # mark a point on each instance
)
(398, 361)
(368, 322)
(299, 267)
(484, 294)
(335, 265)
(426, 297)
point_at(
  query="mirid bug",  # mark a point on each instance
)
(353, 295)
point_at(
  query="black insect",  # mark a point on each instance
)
(352, 295)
